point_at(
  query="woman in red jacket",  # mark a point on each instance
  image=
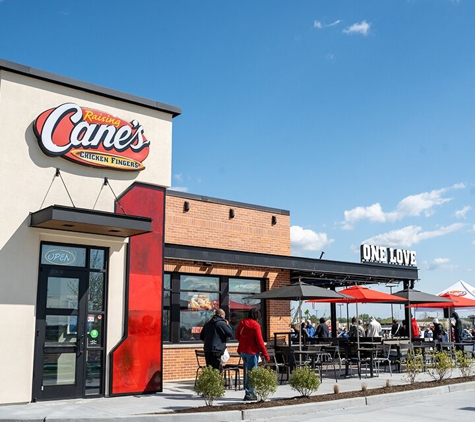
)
(251, 344)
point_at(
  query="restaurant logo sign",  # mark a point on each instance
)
(383, 255)
(92, 138)
(457, 292)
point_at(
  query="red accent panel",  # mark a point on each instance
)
(137, 361)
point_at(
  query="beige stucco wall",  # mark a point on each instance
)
(26, 175)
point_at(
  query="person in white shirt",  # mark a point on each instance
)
(374, 328)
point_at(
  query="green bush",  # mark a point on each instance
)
(414, 365)
(263, 381)
(210, 385)
(464, 363)
(304, 380)
(441, 365)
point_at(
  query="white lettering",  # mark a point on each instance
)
(52, 122)
(89, 135)
(399, 256)
(392, 256)
(372, 253)
(365, 252)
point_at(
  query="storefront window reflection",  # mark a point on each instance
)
(166, 314)
(189, 302)
(239, 304)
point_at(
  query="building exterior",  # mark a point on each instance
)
(107, 277)
(67, 258)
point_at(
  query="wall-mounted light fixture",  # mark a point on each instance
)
(186, 206)
(231, 213)
(274, 220)
(207, 264)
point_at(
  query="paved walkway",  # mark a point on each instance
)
(180, 395)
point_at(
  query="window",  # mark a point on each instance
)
(189, 302)
(166, 314)
(199, 296)
(239, 289)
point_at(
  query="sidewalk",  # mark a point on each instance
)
(180, 395)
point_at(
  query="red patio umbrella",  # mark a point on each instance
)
(456, 302)
(362, 294)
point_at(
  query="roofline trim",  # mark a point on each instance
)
(87, 87)
(201, 198)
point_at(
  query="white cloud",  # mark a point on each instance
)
(362, 28)
(307, 240)
(178, 177)
(333, 23)
(321, 25)
(439, 264)
(463, 212)
(317, 24)
(410, 235)
(411, 206)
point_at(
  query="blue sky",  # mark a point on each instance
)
(356, 116)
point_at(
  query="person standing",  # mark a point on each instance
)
(415, 328)
(437, 332)
(458, 331)
(322, 329)
(214, 334)
(396, 329)
(374, 328)
(356, 328)
(251, 345)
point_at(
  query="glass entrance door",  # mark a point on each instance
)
(69, 331)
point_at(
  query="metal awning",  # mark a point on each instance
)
(58, 217)
(318, 272)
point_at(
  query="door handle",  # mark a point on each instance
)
(80, 345)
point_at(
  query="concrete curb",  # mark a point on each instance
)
(226, 416)
(270, 412)
(462, 387)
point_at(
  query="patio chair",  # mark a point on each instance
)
(383, 353)
(201, 361)
(328, 358)
(277, 363)
(352, 358)
(232, 374)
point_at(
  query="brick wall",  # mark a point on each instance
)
(180, 361)
(207, 224)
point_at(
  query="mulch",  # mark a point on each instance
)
(328, 397)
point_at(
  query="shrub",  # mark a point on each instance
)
(263, 381)
(414, 365)
(336, 389)
(364, 387)
(441, 365)
(210, 385)
(464, 363)
(304, 380)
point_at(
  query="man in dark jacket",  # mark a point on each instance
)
(458, 331)
(322, 329)
(214, 334)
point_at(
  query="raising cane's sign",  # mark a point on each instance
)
(92, 138)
